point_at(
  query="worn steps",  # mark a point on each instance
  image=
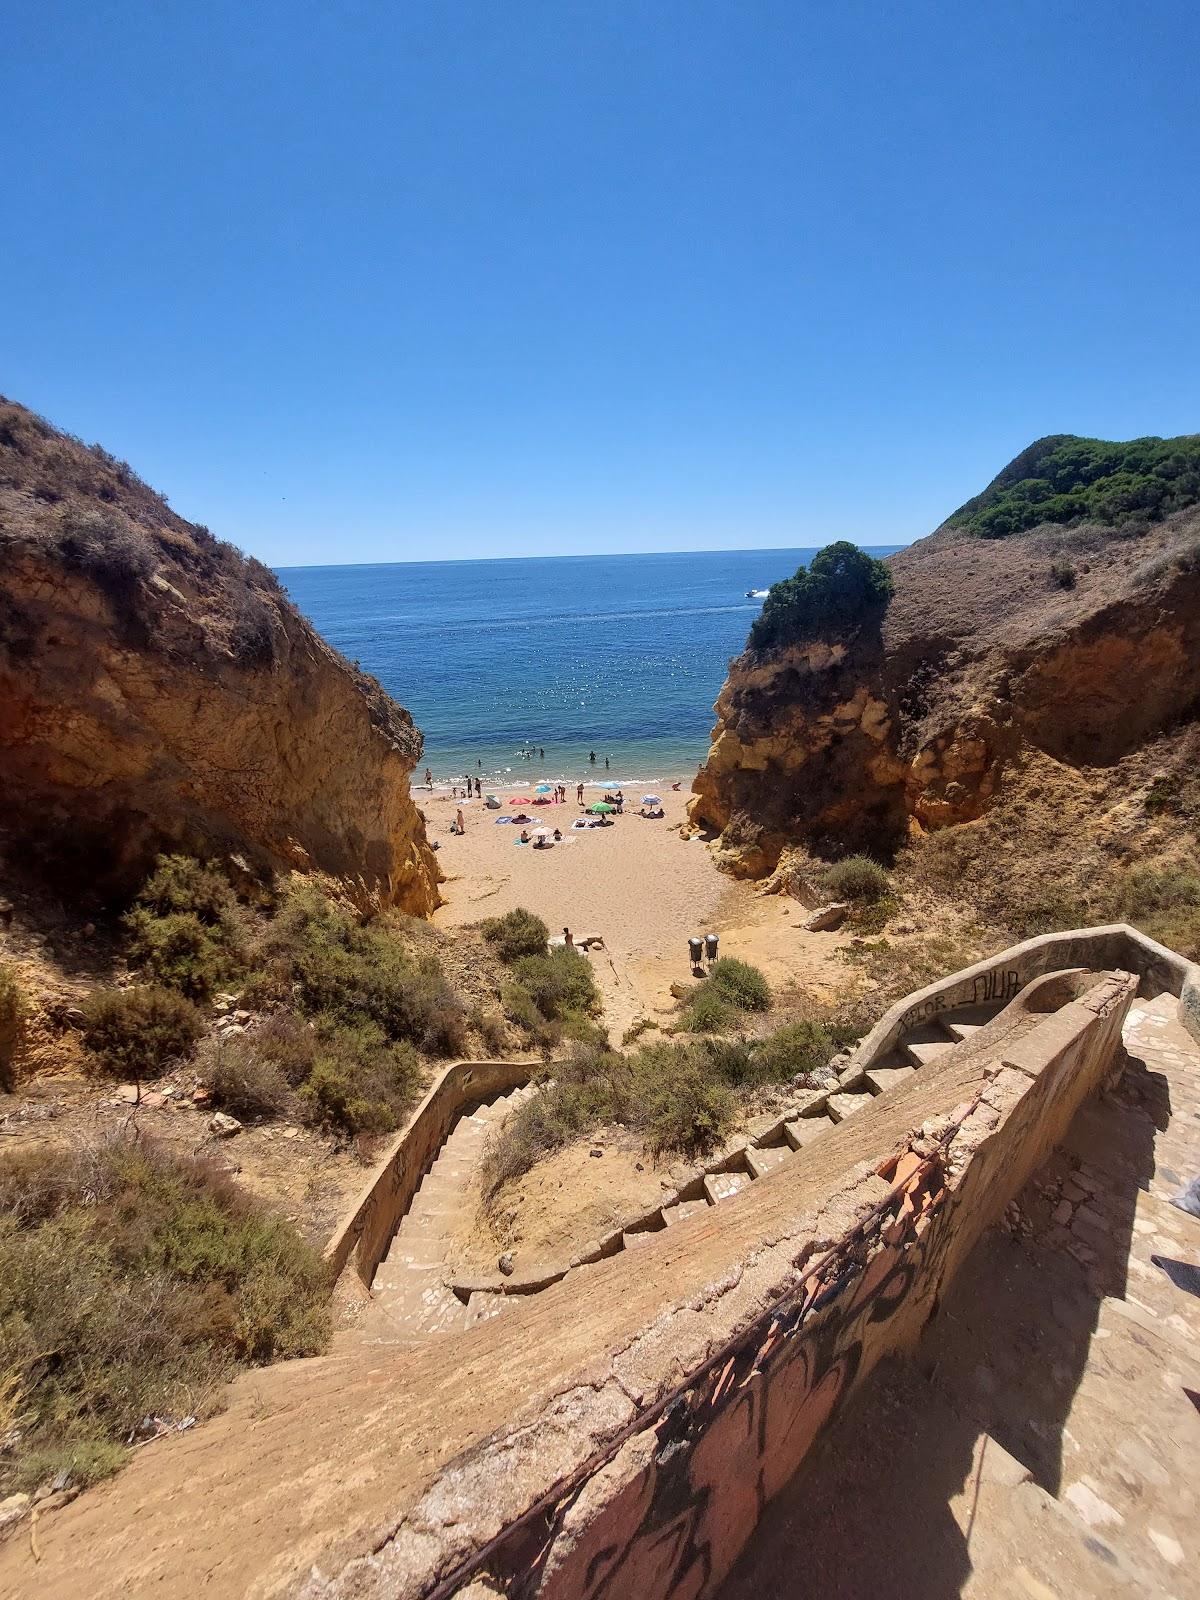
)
(410, 1285)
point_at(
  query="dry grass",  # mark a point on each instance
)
(132, 1284)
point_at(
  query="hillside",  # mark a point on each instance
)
(1046, 683)
(158, 690)
(1064, 479)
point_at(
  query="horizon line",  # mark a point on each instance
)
(590, 555)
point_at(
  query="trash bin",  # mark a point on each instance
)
(710, 946)
(696, 950)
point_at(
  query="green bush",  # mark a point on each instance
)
(690, 1112)
(360, 1082)
(558, 982)
(841, 588)
(855, 878)
(517, 933)
(680, 1096)
(184, 929)
(12, 1012)
(518, 1006)
(792, 1051)
(338, 967)
(138, 1033)
(741, 984)
(707, 1010)
(132, 1284)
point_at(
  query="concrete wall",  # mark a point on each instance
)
(364, 1233)
(666, 1515)
(1000, 978)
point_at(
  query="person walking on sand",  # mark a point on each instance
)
(579, 793)
(460, 822)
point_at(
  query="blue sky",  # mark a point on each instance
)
(412, 280)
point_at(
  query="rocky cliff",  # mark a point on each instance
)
(157, 689)
(1076, 638)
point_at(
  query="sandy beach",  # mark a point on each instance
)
(638, 884)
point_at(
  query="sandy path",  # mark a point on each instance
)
(638, 883)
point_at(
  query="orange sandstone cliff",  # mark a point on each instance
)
(158, 689)
(1080, 641)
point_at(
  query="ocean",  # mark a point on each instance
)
(621, 655)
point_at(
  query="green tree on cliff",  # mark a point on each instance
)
(841, 588)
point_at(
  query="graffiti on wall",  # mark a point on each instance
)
(730, 1442)
(989, 988)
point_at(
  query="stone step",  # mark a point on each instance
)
(842, 1106)
(682, 1210)
(415, 1254)
(923, 1051)
(805, 1129)
(634, 1241)
(481, 1306)
(764, 1159)
(961, 1030)
(881, 1079)
(724, 1185)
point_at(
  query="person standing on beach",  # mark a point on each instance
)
(460, 822)
(579, 793)
(428, 778)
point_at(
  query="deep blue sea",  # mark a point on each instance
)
(623, 655)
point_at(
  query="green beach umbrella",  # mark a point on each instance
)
(602, 805)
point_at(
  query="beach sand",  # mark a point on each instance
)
(638, 884)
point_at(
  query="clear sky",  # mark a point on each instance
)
(435, 278)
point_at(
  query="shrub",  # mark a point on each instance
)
(1062, 574)
(137, 1033)
(12, 1011)
(841, 588)
(518, 1006)
(251, 629)
(131, 1285)
(792, 1051)
(343, 969)
(184, 929)
(107, 548)
(690, 1111)
(517, 933)
(741, 984)
(239, 1078)
(856, 878)
(493, 1032)
(707, 1010)
(359, 1081)
(558, 982)
(180, 883)
(177, 951)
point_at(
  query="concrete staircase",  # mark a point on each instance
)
(1043, 1441)
(412, 1289)
(412, 1301)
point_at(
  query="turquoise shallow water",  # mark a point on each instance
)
(623, 655)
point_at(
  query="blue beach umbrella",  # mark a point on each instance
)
(542, 788)
(651, 800)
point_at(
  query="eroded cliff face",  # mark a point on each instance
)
(158, 690)
(1082, 644)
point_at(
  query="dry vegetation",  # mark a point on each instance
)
(132, 1285)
